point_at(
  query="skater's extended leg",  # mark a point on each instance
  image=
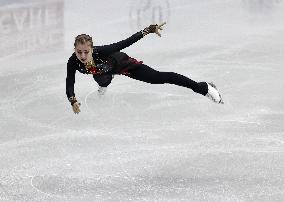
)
(147, 74)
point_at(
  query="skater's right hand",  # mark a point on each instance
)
(76, 107)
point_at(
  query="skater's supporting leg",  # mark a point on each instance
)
(103, 80)
(145, 73)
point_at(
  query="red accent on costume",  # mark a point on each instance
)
(93, 70)
(133, 61)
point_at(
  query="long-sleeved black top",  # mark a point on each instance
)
(100, 55)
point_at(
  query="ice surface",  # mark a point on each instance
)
(143, 142)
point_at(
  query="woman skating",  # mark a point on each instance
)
(105, 61)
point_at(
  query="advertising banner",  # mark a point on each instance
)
(30, 26)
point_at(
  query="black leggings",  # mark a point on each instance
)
(145, 73)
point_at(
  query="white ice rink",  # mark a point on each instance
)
(143, 142)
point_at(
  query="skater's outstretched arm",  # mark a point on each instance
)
(107, 50)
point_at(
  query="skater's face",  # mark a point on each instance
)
(84, 52)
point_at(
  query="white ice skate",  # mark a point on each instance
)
(102, 90)
(213, 94)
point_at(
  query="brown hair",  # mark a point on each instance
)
(83, 38)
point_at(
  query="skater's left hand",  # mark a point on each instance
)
(153, 29)
(159, 27)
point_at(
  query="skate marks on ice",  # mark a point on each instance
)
(147, 188)
(129, 104)
(173, 173)
(132, 99)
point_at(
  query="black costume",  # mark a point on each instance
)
(110, 61)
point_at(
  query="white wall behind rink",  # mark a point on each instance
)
(32, 25)
(29, 25)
